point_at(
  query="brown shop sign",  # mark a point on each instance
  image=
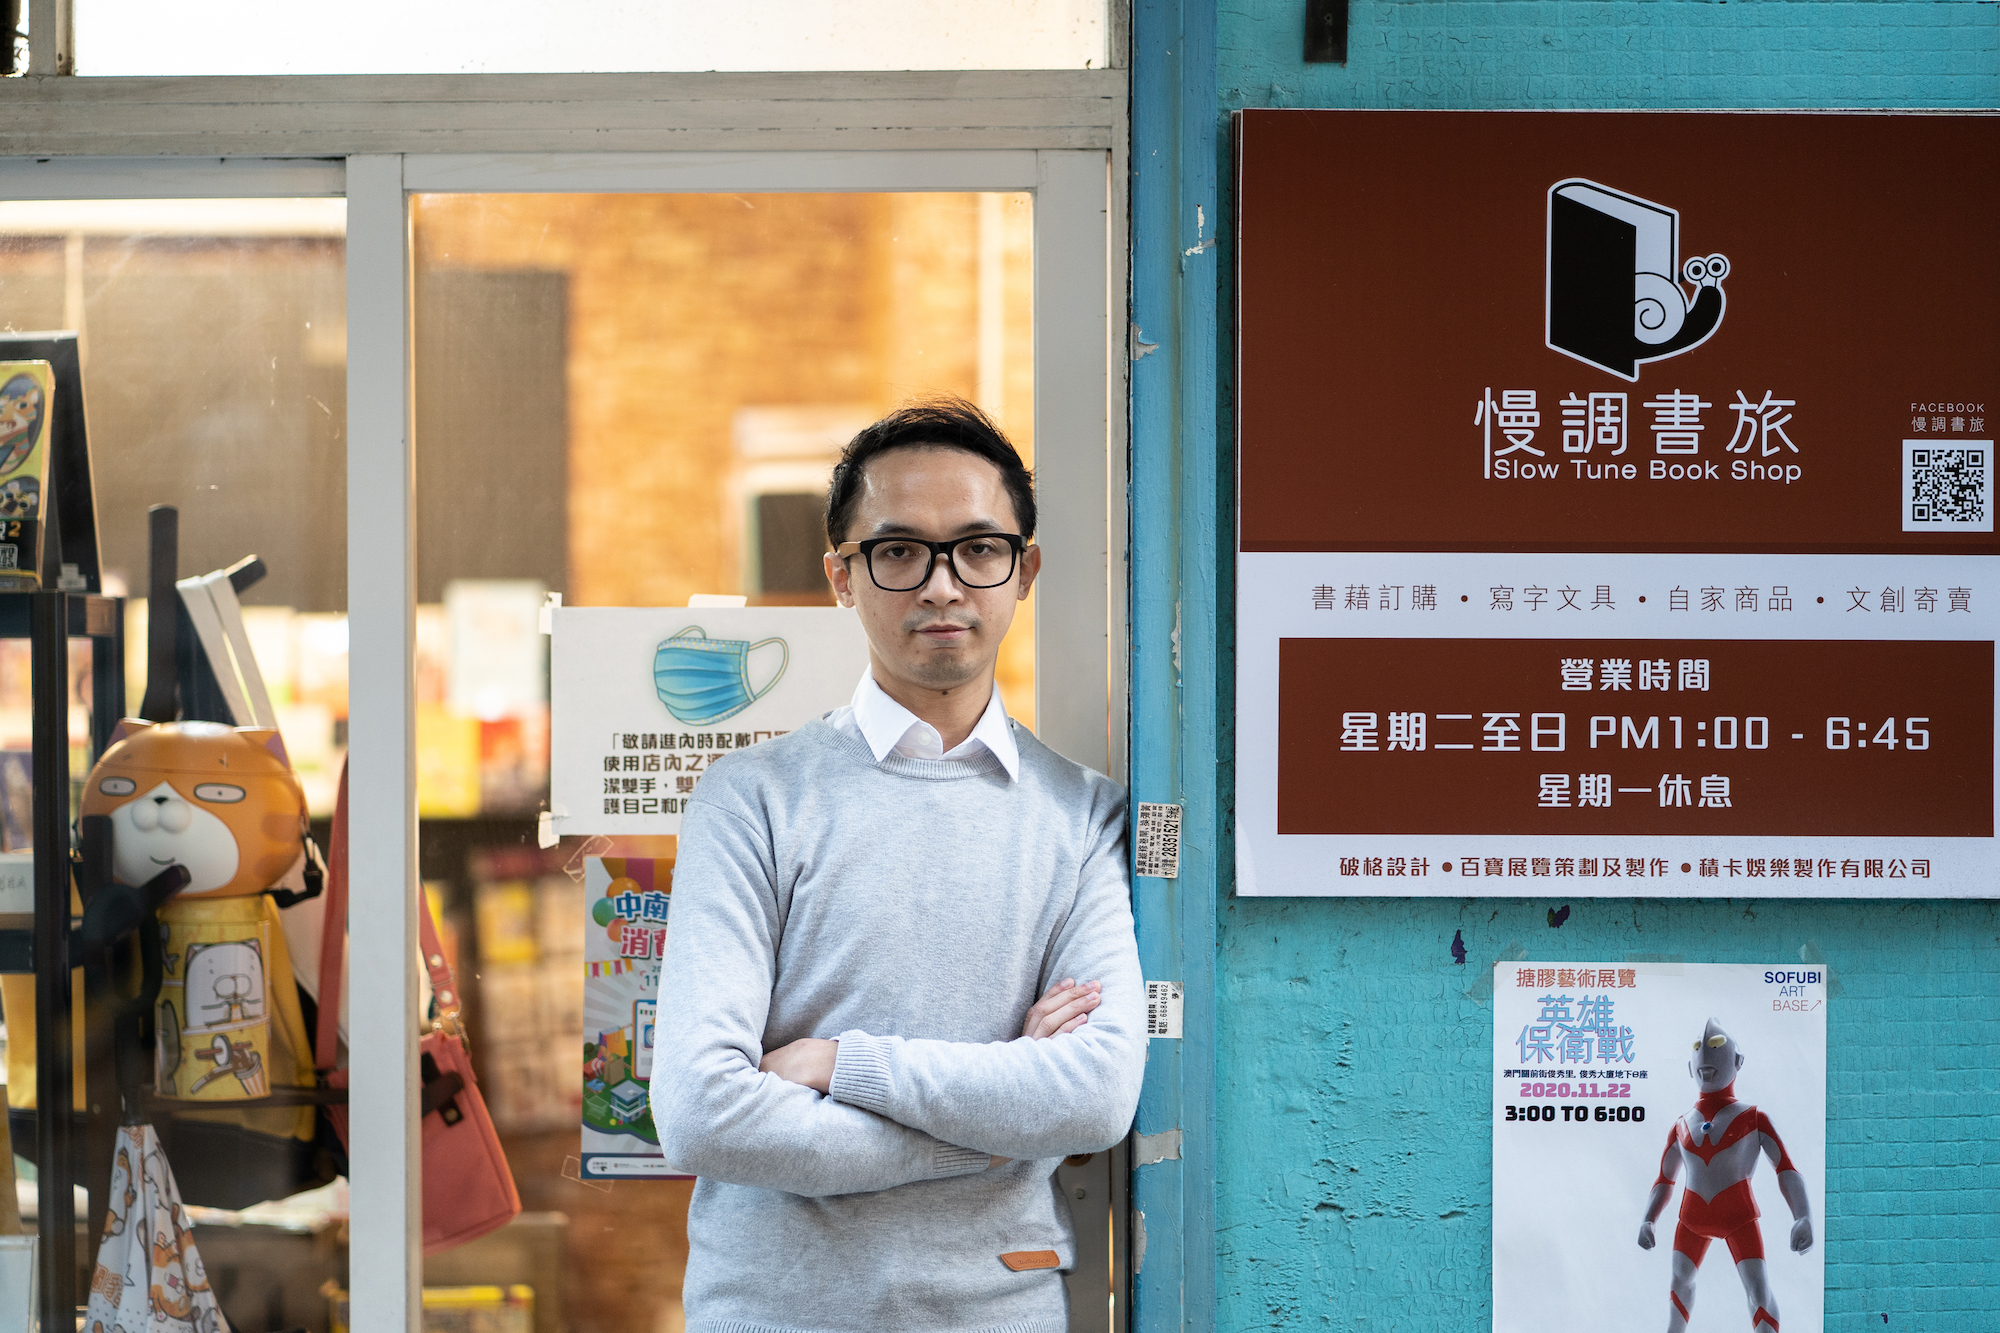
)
(1516, 390)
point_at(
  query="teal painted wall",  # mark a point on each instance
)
(1353, 1187)
(1350, 1154)
(1520, 54)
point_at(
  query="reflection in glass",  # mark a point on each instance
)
(213, 347)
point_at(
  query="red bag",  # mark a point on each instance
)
(468, 1188)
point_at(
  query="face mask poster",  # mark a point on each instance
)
(1659, 1146)
(645, 700)
(1604, 527)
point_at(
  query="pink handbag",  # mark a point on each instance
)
(468, 1187)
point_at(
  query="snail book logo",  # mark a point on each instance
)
(1612, 298)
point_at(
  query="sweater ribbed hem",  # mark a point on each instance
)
(861, 1080)
(952, 1160)
(745, 1326)
(861, 1072)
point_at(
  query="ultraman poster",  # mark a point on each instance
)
(1659, 1146)
(644, 699)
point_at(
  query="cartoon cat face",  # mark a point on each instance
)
(162, 829)
(221, 801)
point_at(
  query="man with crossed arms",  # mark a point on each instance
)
(900, 982)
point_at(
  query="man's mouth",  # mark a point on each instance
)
(945, 632)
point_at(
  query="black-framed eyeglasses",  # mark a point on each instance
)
(904, 564)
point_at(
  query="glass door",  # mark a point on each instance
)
(629, 378)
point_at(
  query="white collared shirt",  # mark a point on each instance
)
(886, 725)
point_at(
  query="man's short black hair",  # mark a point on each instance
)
(941, 422)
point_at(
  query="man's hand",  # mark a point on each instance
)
(1646, 1234)
(1802, 1235)
(807, 1061)
(1065, 1008)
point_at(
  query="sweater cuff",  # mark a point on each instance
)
(951, 1160)
(861, 1072)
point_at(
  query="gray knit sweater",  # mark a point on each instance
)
(915, 910)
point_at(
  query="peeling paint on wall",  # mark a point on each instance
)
(1164, 1146)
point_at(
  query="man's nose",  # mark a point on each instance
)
(943, 583)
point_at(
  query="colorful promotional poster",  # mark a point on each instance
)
(1659, 1146)
(27, 390)
(623, 945)
(644, 699)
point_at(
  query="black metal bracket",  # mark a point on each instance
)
(1326, 32)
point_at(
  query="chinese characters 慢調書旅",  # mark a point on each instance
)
(1598, 427)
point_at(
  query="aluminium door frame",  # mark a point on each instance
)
(1079, 394)
(1080, 267)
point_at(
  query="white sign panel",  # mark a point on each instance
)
(1454, 724)
(1659, 1146)
(644, 699)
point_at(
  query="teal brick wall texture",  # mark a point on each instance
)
(1517, 54)
(1354, 1187)
(1353, 1184)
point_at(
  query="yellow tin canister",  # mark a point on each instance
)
(225, 1031)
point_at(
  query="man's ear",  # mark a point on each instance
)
(1031, 565)
(837, 575)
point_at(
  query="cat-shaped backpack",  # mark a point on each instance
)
(223, 803)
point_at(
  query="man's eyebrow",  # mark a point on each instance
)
(889, 527)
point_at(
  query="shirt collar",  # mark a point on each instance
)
(885, 724)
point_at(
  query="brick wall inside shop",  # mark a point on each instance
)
(1353, 1184)
(684, 309)
(244, 439)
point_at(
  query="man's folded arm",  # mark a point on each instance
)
(716, 1115)
(1070, 1093)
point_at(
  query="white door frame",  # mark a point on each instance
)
(1080, 463)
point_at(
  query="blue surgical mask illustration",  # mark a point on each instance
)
(703, 681)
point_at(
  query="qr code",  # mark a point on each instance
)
(1948, 487)
(10, 557)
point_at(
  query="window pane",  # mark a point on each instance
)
(516, 36)
(631, 399)
(212, 346)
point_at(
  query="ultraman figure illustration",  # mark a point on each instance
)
(1718, 1143)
